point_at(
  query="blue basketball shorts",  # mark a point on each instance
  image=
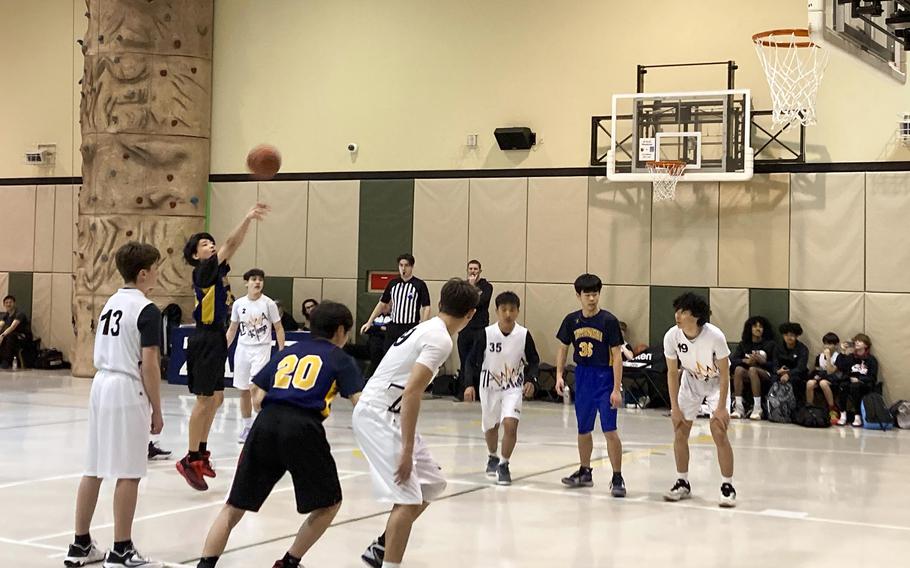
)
(593, 386)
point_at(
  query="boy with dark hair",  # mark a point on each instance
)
(791, 356)
(254, 316)
(406, 299)
(295, 391)
(699, 349)
(508, 366)
(469, 383)
(385, 422)
(207, 349)
(825, 374)
(752, 360)
(124, 407)
(860, 370)
(597, 339)
(15, 331)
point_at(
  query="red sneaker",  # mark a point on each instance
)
(207, 469)
(193, 474)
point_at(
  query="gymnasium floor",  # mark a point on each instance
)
(835, 497)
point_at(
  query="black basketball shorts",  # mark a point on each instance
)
(206, 356)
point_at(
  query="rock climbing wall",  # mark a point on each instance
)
(146, 124)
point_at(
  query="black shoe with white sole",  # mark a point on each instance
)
(374, 555)
(81, 555)
(727, 496)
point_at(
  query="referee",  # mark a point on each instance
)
(406, 299)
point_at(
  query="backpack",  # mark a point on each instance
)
(900, 411)
(812, 417)
(876, 415)
(50, 359)
(780, 403)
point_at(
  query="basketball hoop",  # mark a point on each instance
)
(794, 66)
(664, 175)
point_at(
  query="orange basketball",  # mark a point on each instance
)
(263, 161)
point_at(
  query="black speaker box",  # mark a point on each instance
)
(516, 138)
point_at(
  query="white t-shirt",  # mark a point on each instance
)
(821, 362)
(697, 357)
(428, 344)
(255, 318)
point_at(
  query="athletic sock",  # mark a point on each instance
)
(727, 480)
(83, 540)
(193, 456)
(391, 564)
(683, 475)
(207, 562)
(248, 422)
(290, 561)
(756, 401)
(203, 447)
(503, 461)
(739, 401)
(122, 546)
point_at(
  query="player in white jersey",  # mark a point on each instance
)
(501, 353)
(698, 369)
(124, 407)
(385, 421)
(253, 316)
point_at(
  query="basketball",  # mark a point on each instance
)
(263, 161)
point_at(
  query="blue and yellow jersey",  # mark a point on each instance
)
(213, 293)
(308, 375)
(593, 337)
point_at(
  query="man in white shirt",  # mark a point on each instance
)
(253, 316)
(385, 421)
(699, 349)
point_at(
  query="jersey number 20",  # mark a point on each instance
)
(301, 373)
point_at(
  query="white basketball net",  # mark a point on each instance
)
(794, 66)
(664, 176)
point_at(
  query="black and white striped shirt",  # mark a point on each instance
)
(406, 299)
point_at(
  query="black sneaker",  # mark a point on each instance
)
(492, 466)
(618, 486)
(581, 478)
(373, 555)
(503, 475)
(156, 453)
(80, 556)
(727, 496)
(680, 490)
(129, 559)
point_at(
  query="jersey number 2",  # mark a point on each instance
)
(108, 328)
(301, 373)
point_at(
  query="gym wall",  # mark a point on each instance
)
(815, 248)
(409, 80)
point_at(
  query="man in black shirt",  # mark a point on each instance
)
(14, 331)
(468, 383)
(406, 299)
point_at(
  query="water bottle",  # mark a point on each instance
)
(566, 395)
(15, 363)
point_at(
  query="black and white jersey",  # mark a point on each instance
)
(406, 299)
(129, 321)
(505, 360)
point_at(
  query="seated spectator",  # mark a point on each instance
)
(752, 360)
(825, 373)
(307, 308)
(287, 320)
(860, 373)
(791, 357)
(14, 332)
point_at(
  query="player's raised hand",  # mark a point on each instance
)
(405, 466)
(258, 211)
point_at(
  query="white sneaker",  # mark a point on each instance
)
(842, 421)
(857, 421)
(129, 559)
(79, 556)
(727, 496)
(680, 490)
(756, 414)
(738, 411)
(242, 438)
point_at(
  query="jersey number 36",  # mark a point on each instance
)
(301, 372)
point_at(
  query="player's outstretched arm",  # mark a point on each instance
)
(235, 239)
